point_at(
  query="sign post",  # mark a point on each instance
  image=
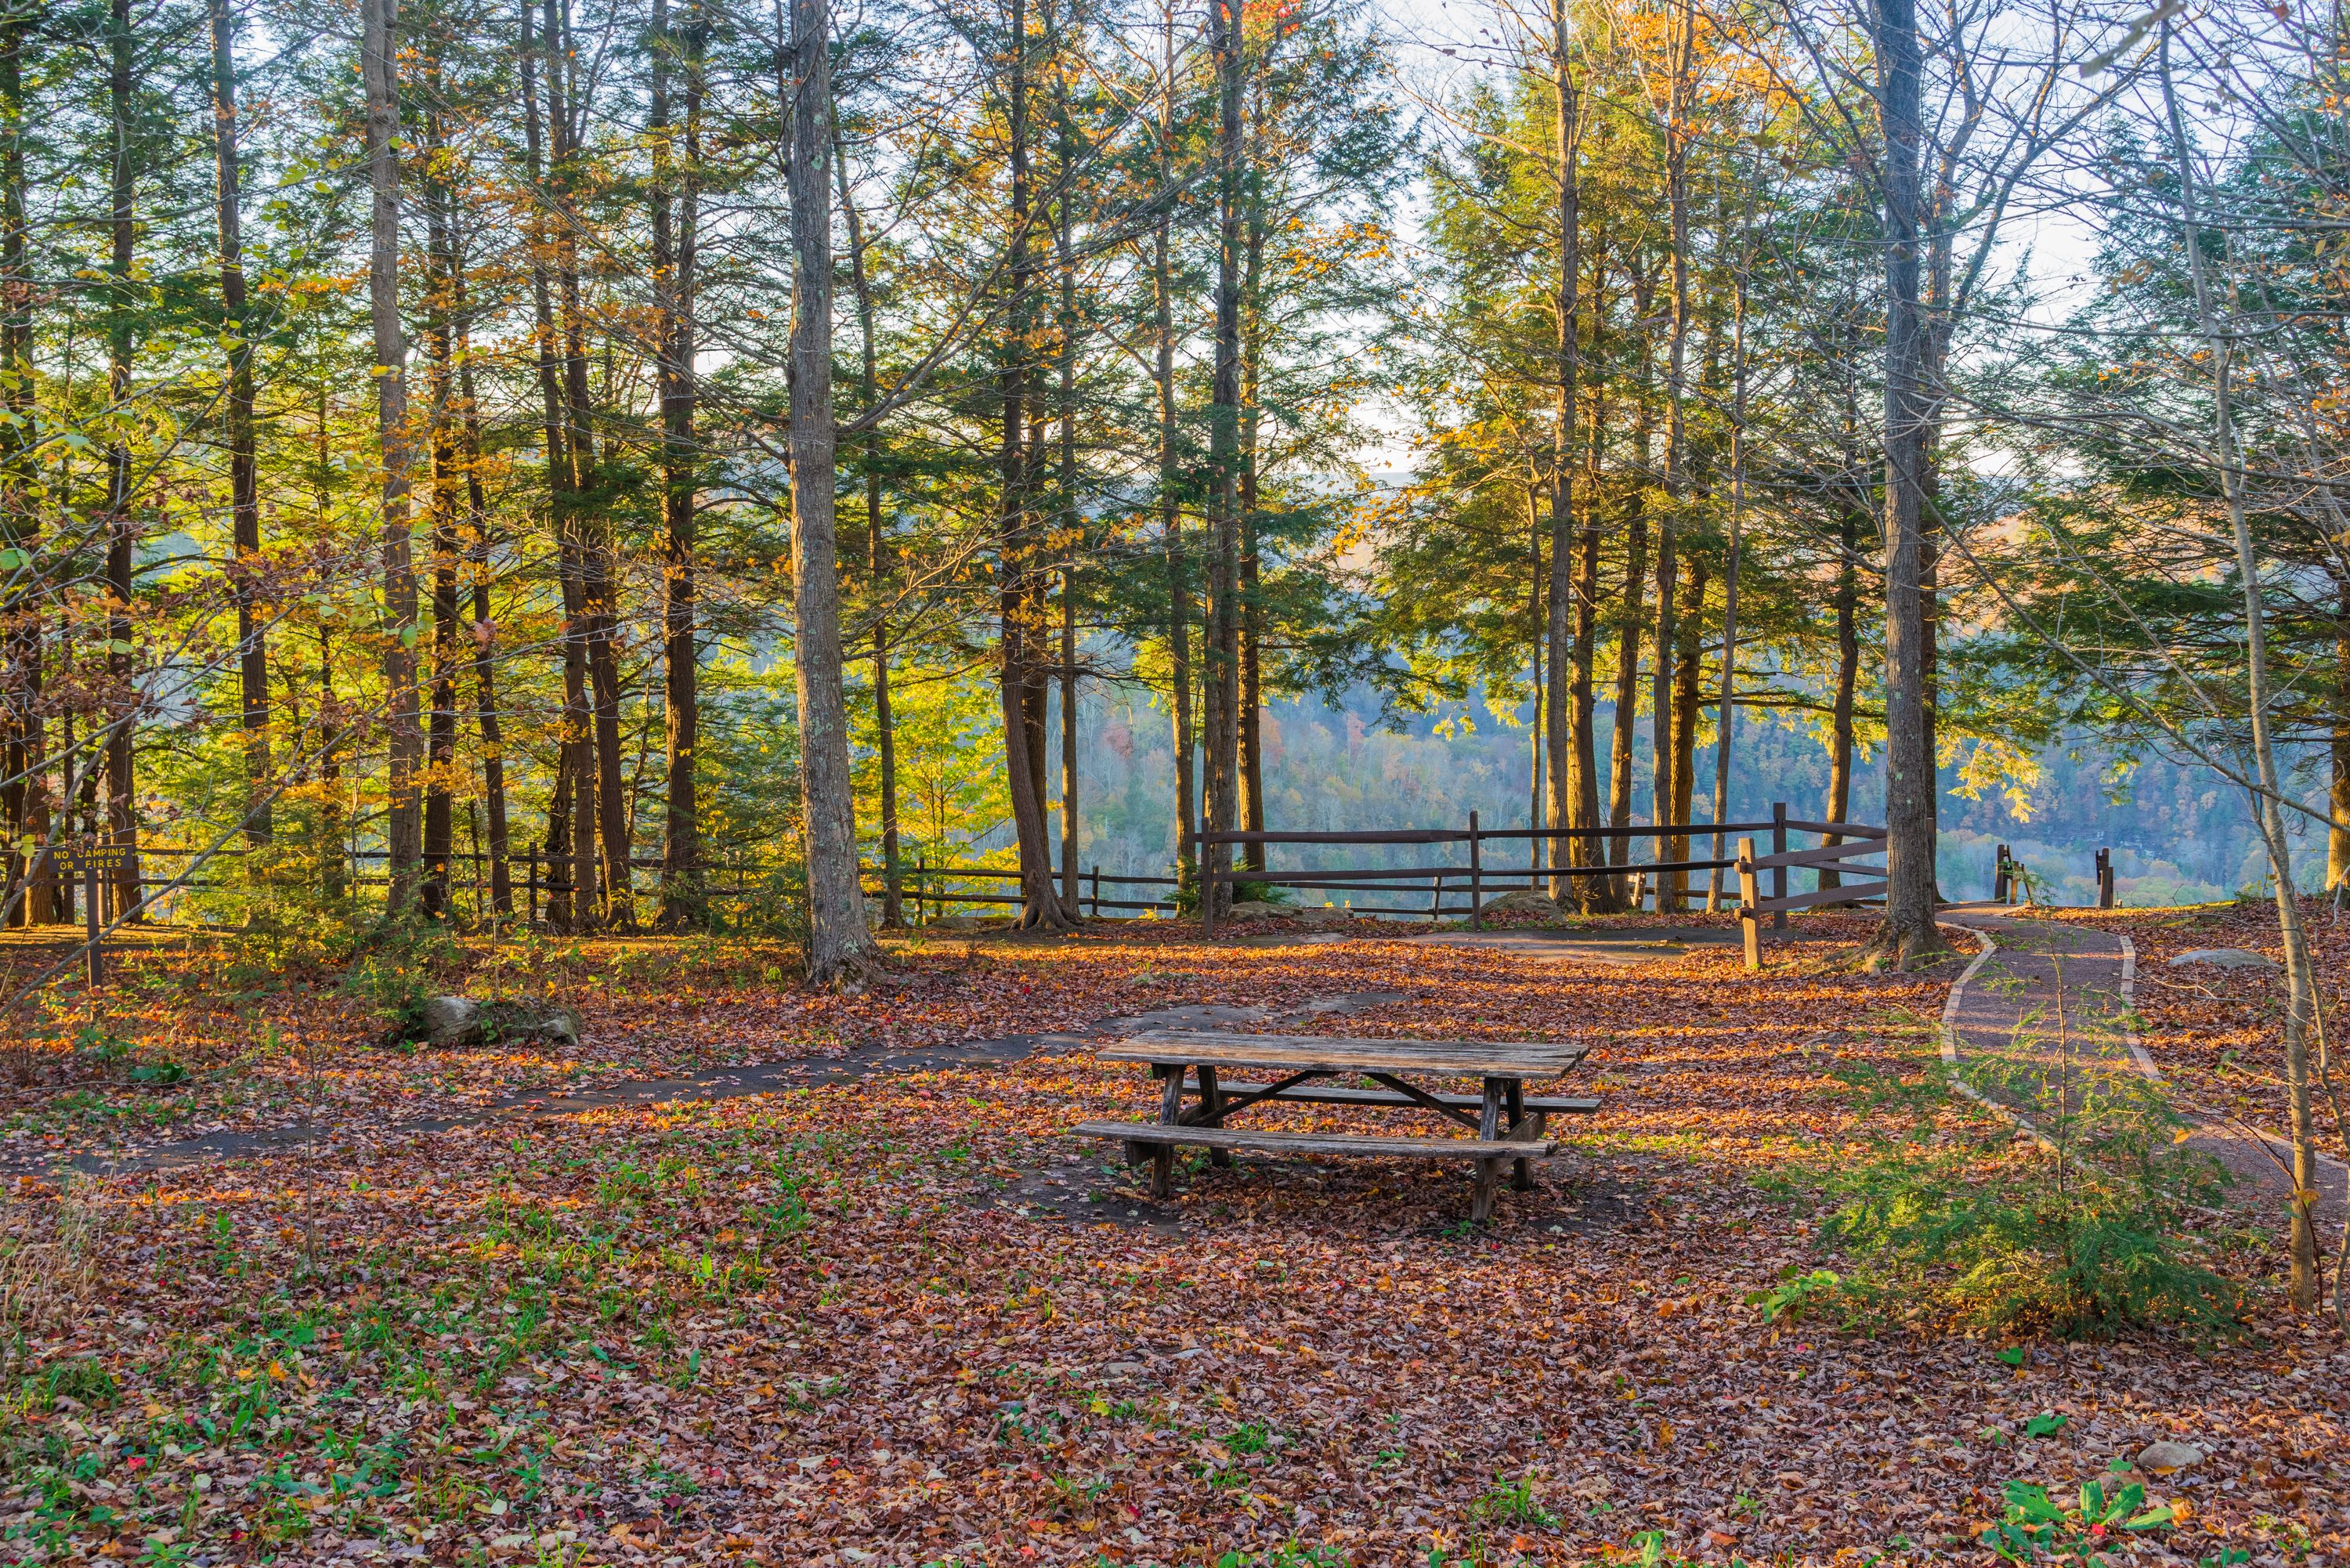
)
(89, 863)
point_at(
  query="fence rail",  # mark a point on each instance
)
(1468, 882)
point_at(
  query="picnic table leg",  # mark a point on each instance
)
(1162, 1156)
(1522, 1170)
(1211, 1114)
(1489, 1127)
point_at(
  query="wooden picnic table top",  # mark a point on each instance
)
(1351, 1054)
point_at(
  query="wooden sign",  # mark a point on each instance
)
(109, 857)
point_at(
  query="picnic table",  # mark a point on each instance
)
(1197, 1102)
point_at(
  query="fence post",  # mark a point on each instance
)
(1207, 875)
(2104, 878)
(534, 884)
(1096, 912)
(921, 882)
(1998, 877)
(1750, 915)
(1778, 873)
(1476, 880)
(1436, 902)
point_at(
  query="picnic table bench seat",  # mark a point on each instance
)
(1156, 1133)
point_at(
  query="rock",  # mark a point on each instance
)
(556, 1024)
(1256, 910)
(2227, 958)
(1325, 915)
(451, 1020)
(2161, 1458)
(1521, 901)
(454, 1020)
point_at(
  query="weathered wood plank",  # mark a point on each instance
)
(1345, 1054)
(1841, 829)
(1850, 891)
(1333, 1094)
(1833, 855)
(1320, 1143)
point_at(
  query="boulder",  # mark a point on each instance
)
(451, 1020)
(1255, 910)
(2228, 958)
(1324, 915)
(1521, 900)
(455, 1021)
(2163, 1457)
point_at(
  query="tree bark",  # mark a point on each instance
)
(402, 841)
(121, 534)
(1252, 606)
(1572, 785)
(1907, 935)
(838, 944)
(570, 839)
(1223, 465)
(1171, 513)
(2220, 350)
(685, 900)
(1672, 886)
(484, 631)
(878, 554)
(2337, 837)
(1628, 608)
(1847, 680)
(244, 502)
(440, 725)
(1020, 627)
(1072, 518)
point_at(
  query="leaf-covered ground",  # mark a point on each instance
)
(908, 1320)
(2216, 1033)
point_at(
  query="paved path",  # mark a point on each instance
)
(2048, 1011)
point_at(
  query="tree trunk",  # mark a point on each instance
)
(838, 944)
(1252, 607)
(1689, 663)
(1538, 626)
(121, 532)
(484, 631)
(1224, 396)
(2337, 837)
(1170, 513)
(570, 840)
(1066, 337)
(1847, 680)
(440, 725)
(684, 888)
(1726, 710)
(379, 63)
(2219, 351)
(878, 551)
(1672, 885)
(1020, 629)
(1629, 607)
(1574, 792)
(244, 502)
(1908, 934)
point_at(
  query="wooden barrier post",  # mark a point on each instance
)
(2104, 878)
(1998, 877)
(1750, 915)
(1096, 909)
(1778, 873)
(1207, 886)
(1476, 880)
(90, 912)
